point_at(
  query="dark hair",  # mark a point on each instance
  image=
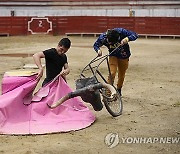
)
(65, 42)
(112, 35)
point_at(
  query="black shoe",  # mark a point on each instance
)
(119, 90)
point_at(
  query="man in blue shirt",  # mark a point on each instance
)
(113, 39)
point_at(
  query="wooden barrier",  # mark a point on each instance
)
(93, 25)
(14, 25)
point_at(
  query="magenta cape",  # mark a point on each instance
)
(36, 117)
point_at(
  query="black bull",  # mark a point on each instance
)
(88, 90)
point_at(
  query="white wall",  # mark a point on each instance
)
(142, 8)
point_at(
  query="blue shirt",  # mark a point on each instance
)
(121, 52)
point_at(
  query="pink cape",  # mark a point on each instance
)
(35, 117)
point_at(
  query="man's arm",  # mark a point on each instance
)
(37, 59)
(129, 35)
(66, 70)
(98, 44)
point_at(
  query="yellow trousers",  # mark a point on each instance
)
(118, 64)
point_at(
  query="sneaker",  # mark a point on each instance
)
(119, 90)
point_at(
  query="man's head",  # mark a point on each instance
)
(63, 46)
(112, 36)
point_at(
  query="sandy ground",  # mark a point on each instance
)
(151, 99)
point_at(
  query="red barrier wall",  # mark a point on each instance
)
(95, 24)
(14, 25)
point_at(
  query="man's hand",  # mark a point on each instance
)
(64, 72)
(99, 52)
(125, 40)
(37, 59)
(40, 74)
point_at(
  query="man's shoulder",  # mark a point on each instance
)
(49, 51)
(120, 30)
(64, 55)
(102, 38)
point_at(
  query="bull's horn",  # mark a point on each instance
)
(82, 90)
(59, 102)
(75, 94)
(66, 97)
(111, 88)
